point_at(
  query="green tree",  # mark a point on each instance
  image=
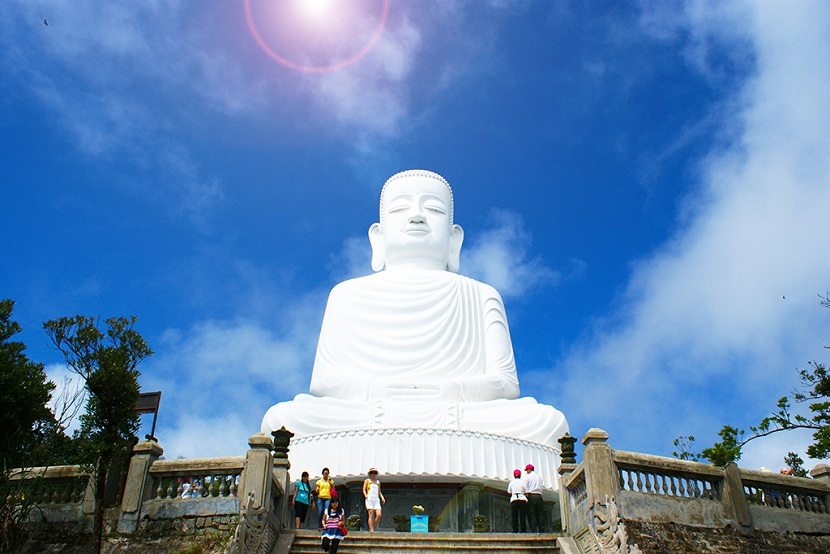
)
(25, 420)
(24, 393)
(796, 464)
(106, 361)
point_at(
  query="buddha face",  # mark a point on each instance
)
(415, 229)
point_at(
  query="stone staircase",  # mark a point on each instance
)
(308, 542)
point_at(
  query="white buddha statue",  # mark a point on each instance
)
(415, 345)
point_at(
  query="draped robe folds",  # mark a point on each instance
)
(416, 348)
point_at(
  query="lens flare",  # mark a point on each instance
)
(315, 9)
(312, 26)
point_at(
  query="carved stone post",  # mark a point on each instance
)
(601, 477)
(138, 486)
(566, 467)
(282, 438)
(256, 474)
(734, 501)
(822, 473)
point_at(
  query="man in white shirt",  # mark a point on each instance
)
(518, 502)
(535, 505)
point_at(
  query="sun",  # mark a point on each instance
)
(314, 9)
(316, 36)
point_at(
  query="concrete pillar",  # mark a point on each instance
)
(138, 486)
(256, 474)
(469, 504)
(733, 499)
(601, 477)
(822, 473)
(355, 503)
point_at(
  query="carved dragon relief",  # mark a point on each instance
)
(254, 534)
(608, 529)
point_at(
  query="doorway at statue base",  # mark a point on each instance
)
(431, 454)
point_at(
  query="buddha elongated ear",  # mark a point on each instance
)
(378, 252)
(456, 239)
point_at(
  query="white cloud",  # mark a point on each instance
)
(370, 96)
(769, 451)
(353, 260)
(219, 377)
(500, 256)
(712, 325)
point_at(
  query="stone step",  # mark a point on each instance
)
(307, 542)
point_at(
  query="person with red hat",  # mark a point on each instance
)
(518, 502)
(535, 505)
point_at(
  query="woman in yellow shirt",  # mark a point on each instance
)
(322, 490)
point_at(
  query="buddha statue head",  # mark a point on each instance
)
(416, 228)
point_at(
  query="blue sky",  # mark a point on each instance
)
(647, 184)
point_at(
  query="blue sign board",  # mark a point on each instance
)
(419, 524)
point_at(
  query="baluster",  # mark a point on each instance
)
(630, 479)
(663, 489)
(673, 485)
(234, 485)
(180, 487)
(698, 493)
(45, 493)
(818, 506)
(223, 486)
(639, 482)
(681, 491)
(170, 489)
(621, 473)
(159, 490)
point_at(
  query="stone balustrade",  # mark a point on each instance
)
(662, 476)
(50, 485)
(615, 484)
(784, 492)
(196, 478)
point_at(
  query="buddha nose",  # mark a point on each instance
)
(417, 217)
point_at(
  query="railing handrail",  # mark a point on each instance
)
(649, 461)
(198, 466)
(568, 481)
(48, 472)
(754, 476)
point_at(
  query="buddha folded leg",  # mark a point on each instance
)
(523, 418)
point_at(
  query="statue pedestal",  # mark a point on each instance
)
(419, 454)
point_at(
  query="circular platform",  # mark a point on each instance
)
(418, 454)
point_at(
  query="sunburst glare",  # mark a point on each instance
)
(316, 36)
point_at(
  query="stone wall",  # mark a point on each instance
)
(662, 538)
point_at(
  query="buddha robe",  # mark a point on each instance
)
(416, 348)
